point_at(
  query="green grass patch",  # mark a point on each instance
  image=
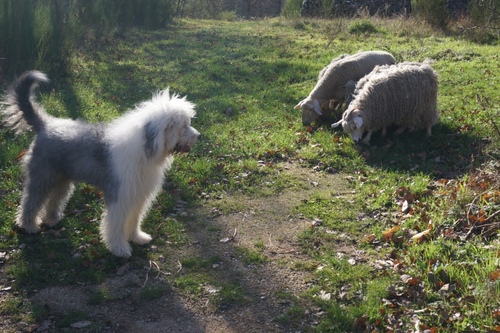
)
(152, 292)
(251, 257)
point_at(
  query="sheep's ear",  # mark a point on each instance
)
(299, 105)
(317, 107)
(358, 121)
(337, 124)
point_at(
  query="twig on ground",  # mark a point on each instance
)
(228, 239)
(147, 273)
(151, 264)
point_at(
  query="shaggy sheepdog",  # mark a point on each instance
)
(126, 159)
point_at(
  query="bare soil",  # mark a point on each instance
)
(267, 220)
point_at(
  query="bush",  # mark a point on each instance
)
(486, 13)
(291, 8)
(434, 12)
(362, 27)
(37, 33)
(202, 9)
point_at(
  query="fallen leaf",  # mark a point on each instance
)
(420, 237)
(389, 234)
(405, 208)
(20, 155)
(316, 223)
(324, 295)
(495, 275)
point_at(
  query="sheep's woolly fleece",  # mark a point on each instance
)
(404, 95)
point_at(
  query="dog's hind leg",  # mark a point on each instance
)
(56, 202)
(34, 198)
(113, 229)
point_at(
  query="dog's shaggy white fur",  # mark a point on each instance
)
(126, 159)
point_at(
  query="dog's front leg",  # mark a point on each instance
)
(113, 230)
(134, 224)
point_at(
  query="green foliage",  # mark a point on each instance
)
(212, 9)
(435, 12)
(100, 296)
(190, 284)
(154, 291)
(251, 257)
(230, 294)
(291, 8)
(362, 27)
(40, 34)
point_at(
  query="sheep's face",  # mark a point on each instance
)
(353, 124)
(355, 127)
(311, 110)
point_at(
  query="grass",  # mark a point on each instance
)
(245, 78)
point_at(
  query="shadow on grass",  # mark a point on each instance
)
(448, 153)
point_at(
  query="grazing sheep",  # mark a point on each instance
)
(331, 84)
(322, 72)
(404, 94)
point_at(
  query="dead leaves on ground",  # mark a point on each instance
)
(465, 208)
(475, 209)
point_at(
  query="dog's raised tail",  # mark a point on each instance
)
(22, 112)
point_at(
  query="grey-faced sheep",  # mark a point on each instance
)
(404, 94)
(331, 84)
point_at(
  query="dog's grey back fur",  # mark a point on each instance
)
(73, 149)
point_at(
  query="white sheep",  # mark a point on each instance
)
(404, 94)
(331, 83)
(322, 72)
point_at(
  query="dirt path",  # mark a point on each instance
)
(268, 221)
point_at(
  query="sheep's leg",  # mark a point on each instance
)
(367, 138)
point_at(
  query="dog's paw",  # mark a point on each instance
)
(125, 250)
(52, 220)
(140, 237)
(27, 228)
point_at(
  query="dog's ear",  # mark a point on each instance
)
(154, 139)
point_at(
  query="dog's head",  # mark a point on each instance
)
(169, 128)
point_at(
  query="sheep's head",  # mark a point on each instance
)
(352, 123)
(311, 110)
